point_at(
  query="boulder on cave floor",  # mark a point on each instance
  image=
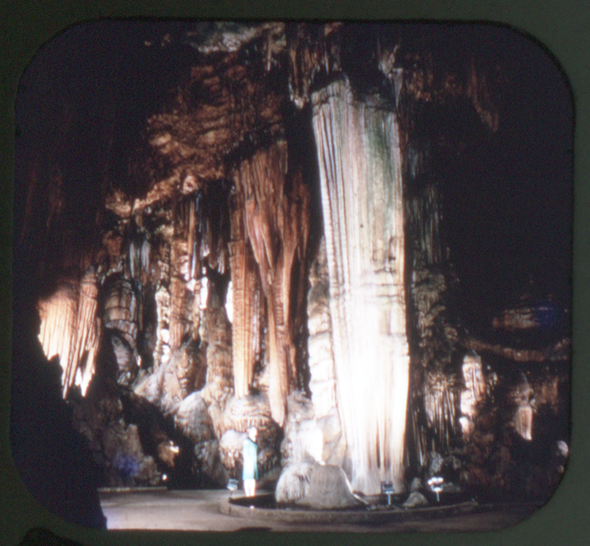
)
(293, 483)
(328, 489)
(416, 499)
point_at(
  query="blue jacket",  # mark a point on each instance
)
(250, 453)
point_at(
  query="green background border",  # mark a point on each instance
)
(563, 26)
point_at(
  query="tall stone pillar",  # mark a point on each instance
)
(361, 188)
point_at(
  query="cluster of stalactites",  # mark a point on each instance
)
(275, 223)
(200, 227)
(362, 202)
(311, 50)
(441, 401)
(70, 329)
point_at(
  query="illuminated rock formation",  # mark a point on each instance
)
(362, 202)
(220, 382)
(276, 224)
(322, 382)
(473, 393)
(329, 489)
(523, 417)
(70, 329)
(247, 306)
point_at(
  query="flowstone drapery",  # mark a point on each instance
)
(70, 330)
(276, 221)
(361, 188)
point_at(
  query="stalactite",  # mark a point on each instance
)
(181, 299)
(58, 322)
(145, 256)
(193, 239)
(523, 417)
(246, 325)
(133, 259)
(162, 351)
(180, 312)
(311, 50)
(359, 159)
(441, 401)
(87, 332)
(71, 329)
(275, 223)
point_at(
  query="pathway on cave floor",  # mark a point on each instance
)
(200, 511)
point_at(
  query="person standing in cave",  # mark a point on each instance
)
(250, 455)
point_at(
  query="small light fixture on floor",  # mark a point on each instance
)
(387, 489)
(436, 484)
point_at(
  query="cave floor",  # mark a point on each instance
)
(202, 511)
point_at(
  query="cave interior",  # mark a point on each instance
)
(355, 237)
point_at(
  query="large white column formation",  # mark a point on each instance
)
(361, 188)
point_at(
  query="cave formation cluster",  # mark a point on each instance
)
(270, 250)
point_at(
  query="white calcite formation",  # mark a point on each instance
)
(328, 489)
(246, 304)
(322, 382)
(362, 203)
(473, 393)
(522, 396)
(70, 329)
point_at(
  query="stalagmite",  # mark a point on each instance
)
(359, 159)
(523, 417)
